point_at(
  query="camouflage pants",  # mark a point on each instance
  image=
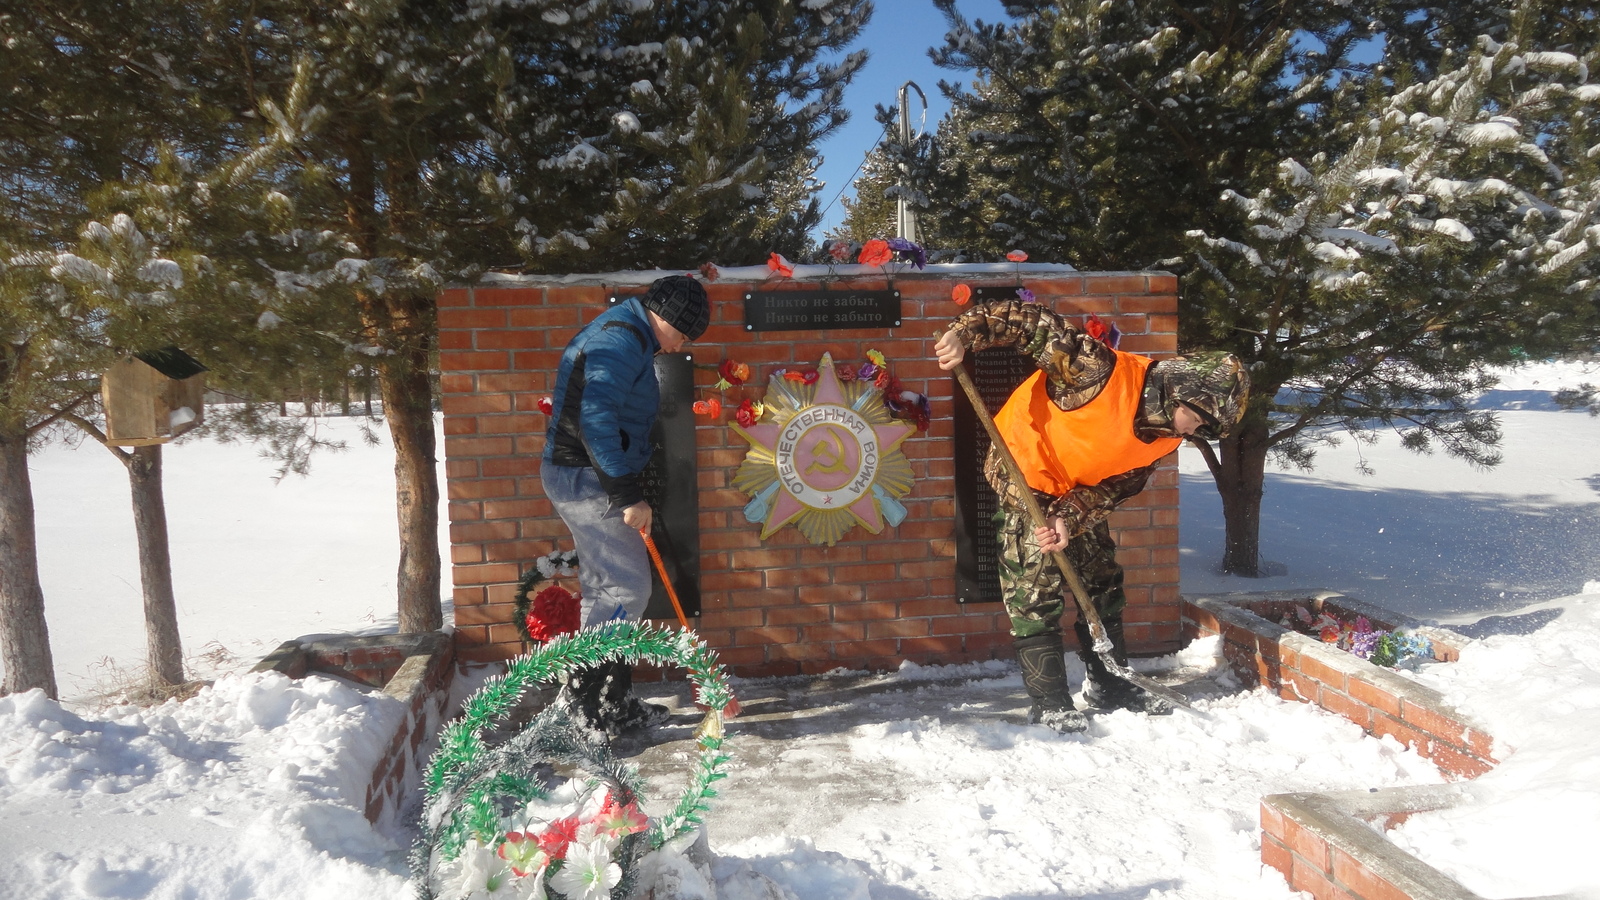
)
(1035, 592)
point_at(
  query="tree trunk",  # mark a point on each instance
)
(408, 405)
(163, 647)
(24, 638)
(1240, 481)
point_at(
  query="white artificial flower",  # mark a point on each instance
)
(588, 874)
(478, 873)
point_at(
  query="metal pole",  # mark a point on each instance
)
(905, 216)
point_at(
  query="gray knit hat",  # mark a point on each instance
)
(681, 302)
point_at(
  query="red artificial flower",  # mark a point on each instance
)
(809, 377)
(844, 372)
(616, 820)
(875, 252)
(883, 380)
(961, 294)
(733, 372)
(554, 611)
(1017, 256)
(780, 266)
(746, 415)
(1096, 328)
(547, 405)
(709, 271)
(522, 851)
(711, 408)
(839, 249)
(555, 839)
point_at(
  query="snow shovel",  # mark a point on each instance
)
(1102, 643)
(712, 722)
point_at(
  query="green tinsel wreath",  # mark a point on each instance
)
(469, 786)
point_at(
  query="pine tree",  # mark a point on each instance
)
(668, 135)
(1120, 135)
(1373, 288)
(871, 214)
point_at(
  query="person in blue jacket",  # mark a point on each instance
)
(596, 447)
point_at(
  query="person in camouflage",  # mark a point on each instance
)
(1087, 430)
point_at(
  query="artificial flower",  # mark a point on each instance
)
(521, 851)
(867, 372)
(711, 408)
(875, 252)
(877, 359)
(883, 381)
(558, 836)
(479, 872)
(588, 874)
(547, 405)
(748, 413)
(1017, 256)
(838, 249)
(616, 820)
(844, 372)
(554, 611)
(780, 266)
(1103, 332)
(910, 405)
(961, 294)
(709, 271)
(908, 252)
(810, 376)
(732, 372)
(797, 377)
(1027, 295)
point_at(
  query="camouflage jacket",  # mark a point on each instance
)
(1076, 368)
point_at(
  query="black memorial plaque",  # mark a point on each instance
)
(820, 310)
(995, 373)
(672, 487)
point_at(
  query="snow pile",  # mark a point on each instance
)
(1531, 823)
(252, 788)
(941, 791)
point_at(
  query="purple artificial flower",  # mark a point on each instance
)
(909, 252)
(867, 372)
(1027, 295)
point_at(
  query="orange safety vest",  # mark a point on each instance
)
(1061, 449)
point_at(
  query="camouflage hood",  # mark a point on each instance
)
(1213, 384)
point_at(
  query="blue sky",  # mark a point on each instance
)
(897, 41)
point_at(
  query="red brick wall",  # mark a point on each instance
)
(783, 606)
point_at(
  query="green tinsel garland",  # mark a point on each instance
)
(468, 786)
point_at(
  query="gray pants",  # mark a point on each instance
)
(613, 565)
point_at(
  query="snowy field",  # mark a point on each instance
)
(930, 789)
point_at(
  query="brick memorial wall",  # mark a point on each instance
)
(780, 606)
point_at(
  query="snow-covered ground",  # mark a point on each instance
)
(931, 790)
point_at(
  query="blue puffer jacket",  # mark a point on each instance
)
(606, 400)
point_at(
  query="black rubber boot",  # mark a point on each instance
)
(581, 694)
(1044, 674)
(1104, 690)
(620, 711)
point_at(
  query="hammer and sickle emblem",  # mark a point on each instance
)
(827, 455)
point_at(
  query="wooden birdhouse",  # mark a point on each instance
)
(151, 398)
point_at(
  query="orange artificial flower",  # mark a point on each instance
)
(875, 252)
(961, 294)
(711, 408)
(780, 266)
